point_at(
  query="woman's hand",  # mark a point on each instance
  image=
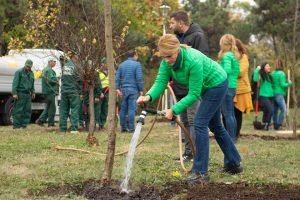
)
(168, 113)
(142, 99)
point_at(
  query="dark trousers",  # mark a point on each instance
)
(239, 120)
(266, 104)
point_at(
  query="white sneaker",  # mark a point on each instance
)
(74, 132)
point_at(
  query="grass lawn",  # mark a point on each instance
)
(29, 162)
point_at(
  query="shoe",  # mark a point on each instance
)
(38, 122)
(197, 177)
(131, 131)
(185, 158)
(74, 132)
(124, 131)
(233, 169)
(266, 127)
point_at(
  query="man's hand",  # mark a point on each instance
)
(168, 113)
(81, 97)
(33, 96)
(15, 97)
(97, 100)
(102, 96)
(119, 93)
(143, 99)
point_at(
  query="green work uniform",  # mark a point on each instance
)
(84, 105)
(280, 83)
(50, 90)
(196, 71)
(104, 101)
(70, 101)
(23, 86)
(232, 67)
(266, 87)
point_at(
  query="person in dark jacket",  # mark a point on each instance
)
(23, 91)
(129, 85)
(192, 35)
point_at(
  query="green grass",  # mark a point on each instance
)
(29, 162)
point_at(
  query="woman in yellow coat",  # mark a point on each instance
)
(242, 100)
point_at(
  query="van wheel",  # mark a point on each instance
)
(7, 114)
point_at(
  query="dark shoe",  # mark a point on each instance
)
(123, 130)
(266, 127)
(233, 169)
(197, 177)
(131, 131)
(38, 122)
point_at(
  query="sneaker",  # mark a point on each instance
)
(38, 122)
(131, 131)
(74, 132)
(197, 177)
(185, 158)
(233, 169)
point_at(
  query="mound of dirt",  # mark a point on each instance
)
(93, 190)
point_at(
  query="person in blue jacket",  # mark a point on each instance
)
(129, 85)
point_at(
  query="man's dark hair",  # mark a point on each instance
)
(131, 53)
(181, 15)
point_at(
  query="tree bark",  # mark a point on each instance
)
(109, 161)
(275, 45)
(294, 69)
(92, 111)
(1, 37)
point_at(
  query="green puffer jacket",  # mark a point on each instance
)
(196, 71)
(266, 87)
(232, 67)
(23, 82)
(280, 83)
(49, 81)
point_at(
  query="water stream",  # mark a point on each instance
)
(129, 160)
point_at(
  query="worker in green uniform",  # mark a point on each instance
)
(84, 105)
(23, 92)
(50, 87)
(70, 95)
(103, 75)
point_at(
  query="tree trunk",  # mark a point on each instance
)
(275, 45)
(92, 110)
(1, 37)
(294, 69)
(109, 161)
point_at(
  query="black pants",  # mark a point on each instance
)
(239, 120)
(266, 103)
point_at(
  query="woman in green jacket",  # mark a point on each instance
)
(204, 78)
(266, 92)
(229, 60)
(280, 86)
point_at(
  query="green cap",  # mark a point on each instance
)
(28, 63)
(104, 60)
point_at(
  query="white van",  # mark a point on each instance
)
(10, 64)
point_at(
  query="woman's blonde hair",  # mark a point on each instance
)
(228, 43)
(168, 44)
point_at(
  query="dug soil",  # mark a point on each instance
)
(177, 191)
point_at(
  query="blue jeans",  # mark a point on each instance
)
(128, 105)
(209, 115)
(228, 113)
(279, 104)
